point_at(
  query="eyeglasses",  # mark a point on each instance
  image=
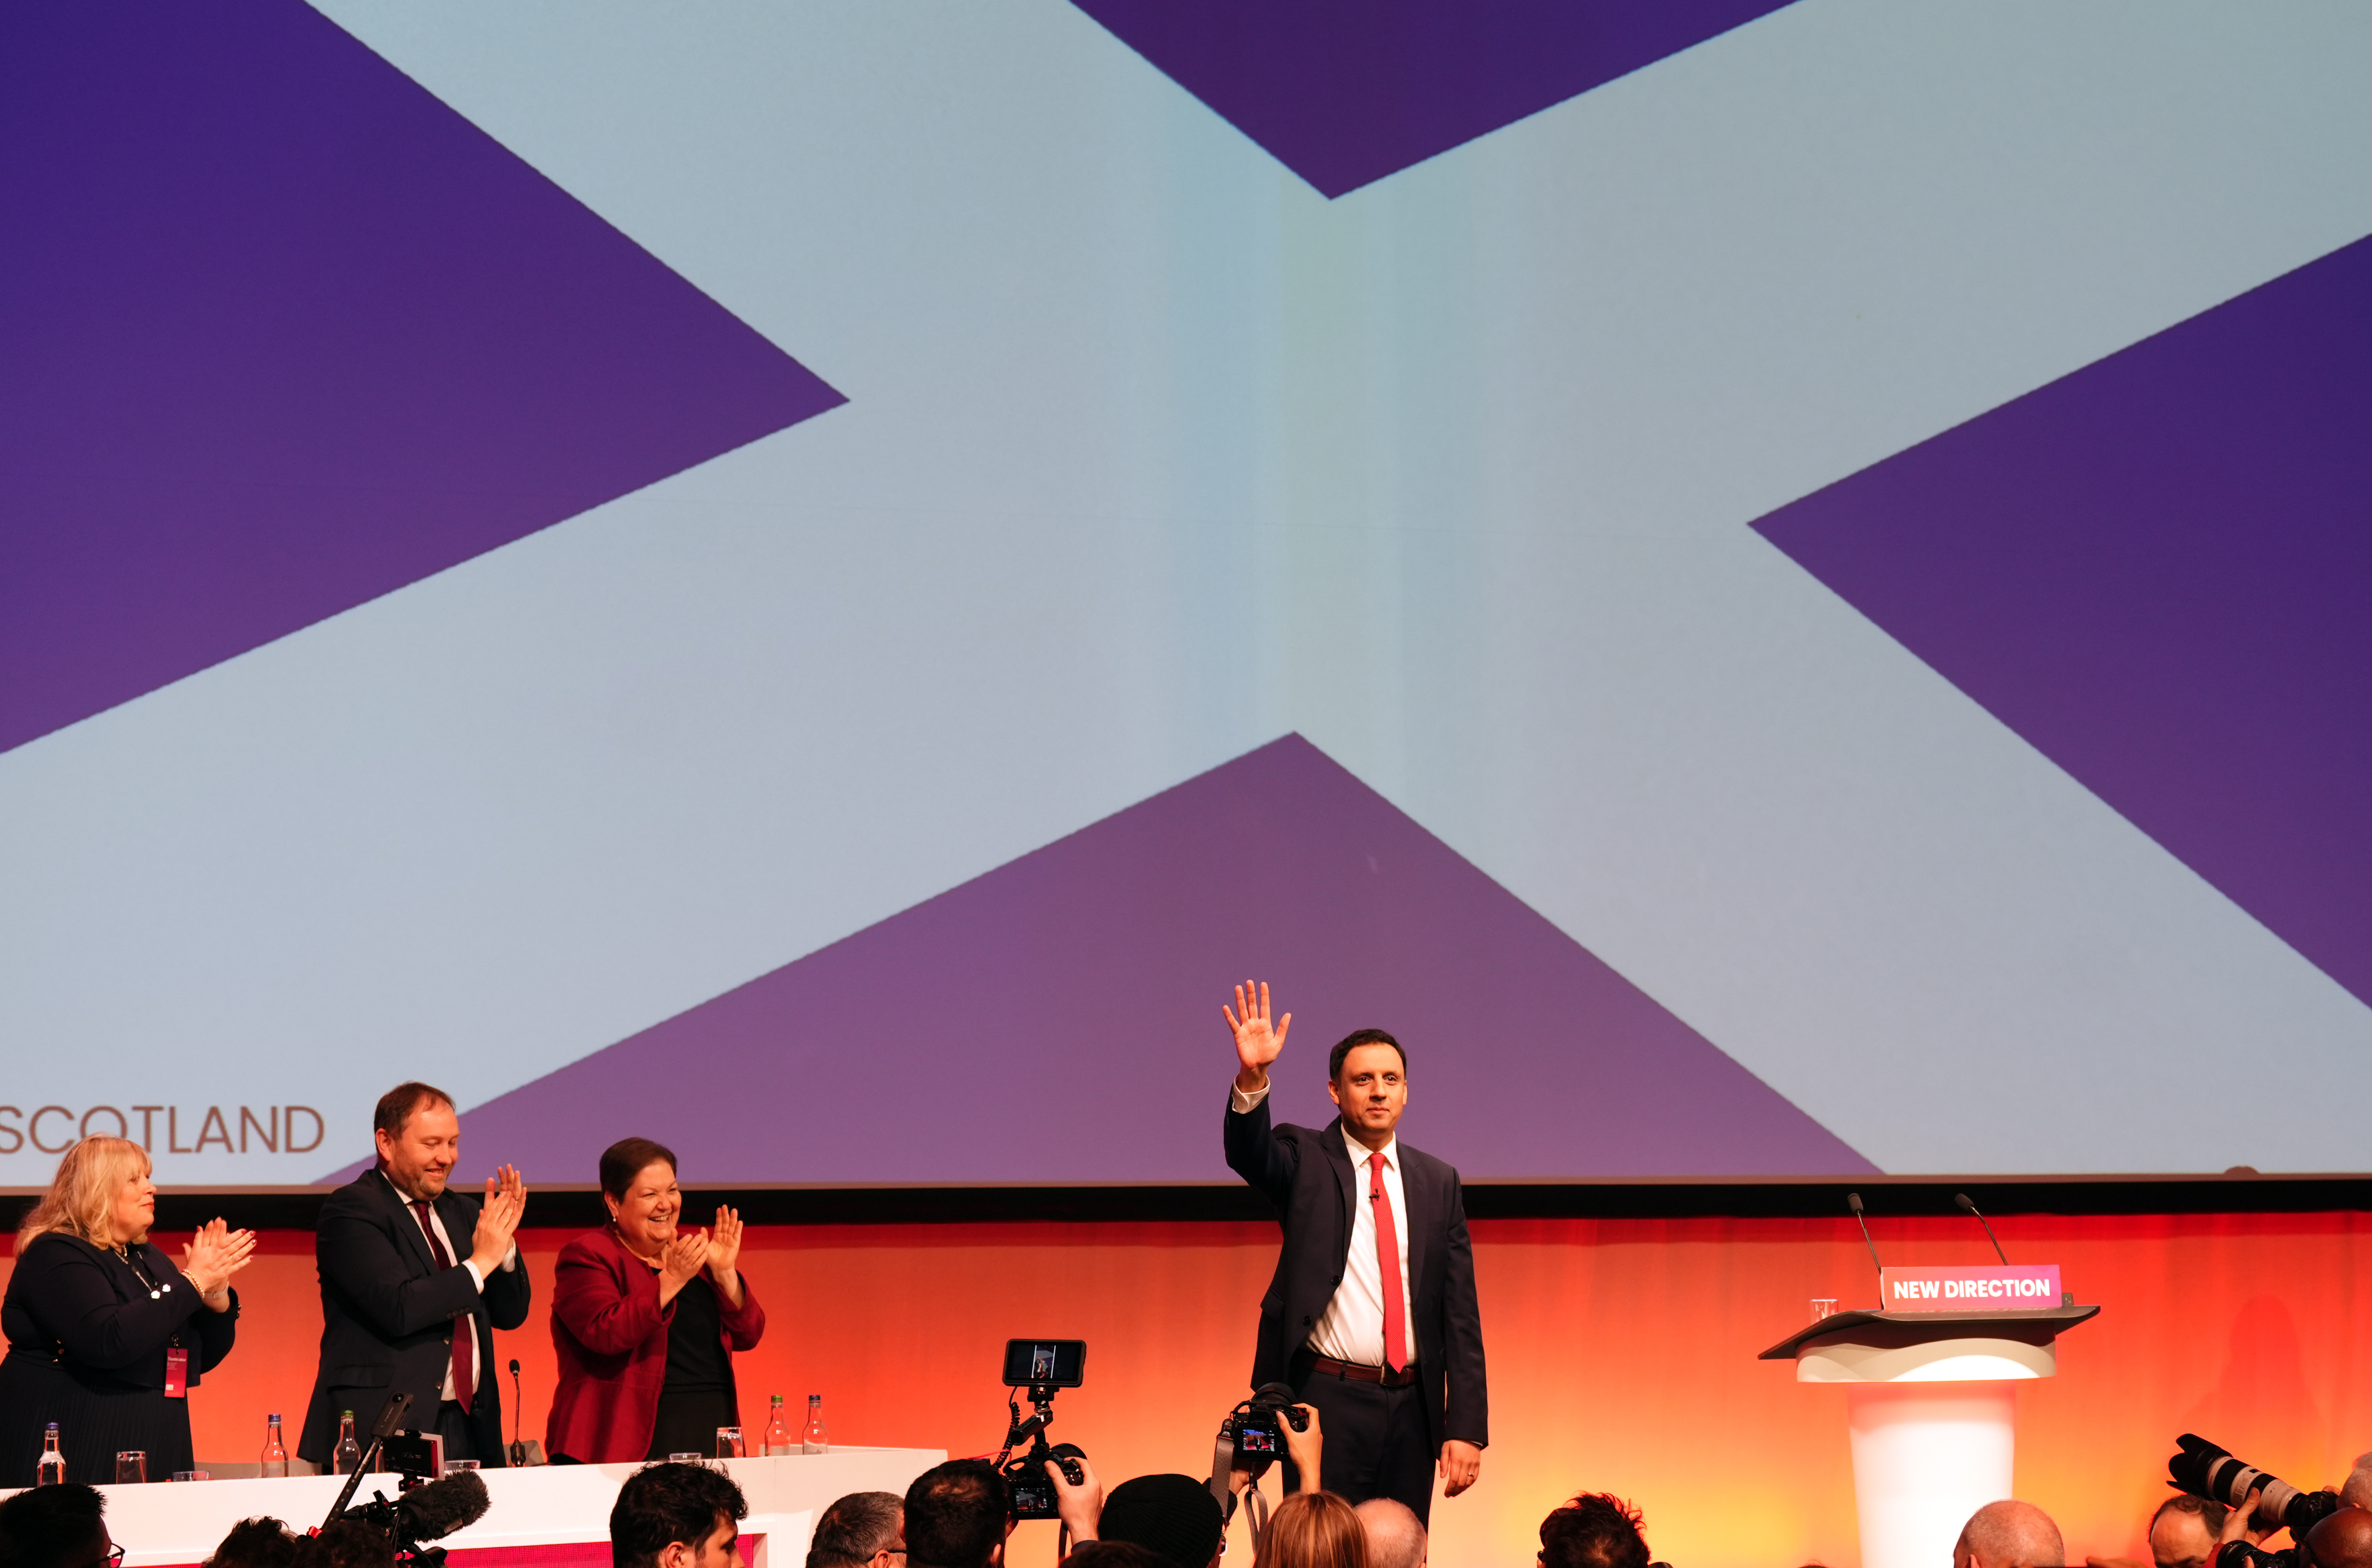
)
(114, 1558)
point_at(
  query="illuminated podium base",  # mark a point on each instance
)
(1931, 1400)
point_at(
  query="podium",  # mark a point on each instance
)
(1931, 1398)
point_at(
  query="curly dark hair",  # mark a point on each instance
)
(1597, 1529)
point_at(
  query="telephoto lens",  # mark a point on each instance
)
(2205, 1470)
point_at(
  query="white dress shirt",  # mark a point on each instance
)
(477, 1275)
(1352, 1329)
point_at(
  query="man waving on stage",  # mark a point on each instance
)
(1371, 1316)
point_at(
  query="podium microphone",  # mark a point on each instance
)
(1962, 1199)
(518, 1409)
(1852, 1202)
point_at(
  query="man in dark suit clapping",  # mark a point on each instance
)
(414, 1279)
(1371, 1316)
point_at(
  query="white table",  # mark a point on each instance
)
(535, 1513)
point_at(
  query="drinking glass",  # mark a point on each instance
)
(130, 1465)
(193, 1475)
(729, 1441)
(686, 1458)
(455, 1467)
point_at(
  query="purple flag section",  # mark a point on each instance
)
(2159, 571)
(1058, 1020)
(1344, 92)
(280, 332)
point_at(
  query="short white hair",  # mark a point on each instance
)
(1395, 1539)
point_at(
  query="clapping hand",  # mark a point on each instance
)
(498, 1219)
(725, 1254)
(214, 1255)
(1256, 1043)
(682, 1258)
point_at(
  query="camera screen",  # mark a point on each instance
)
(1062, 1363)
(1252, 1440)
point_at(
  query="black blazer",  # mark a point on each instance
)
(387, 1315)
(1307, 1173)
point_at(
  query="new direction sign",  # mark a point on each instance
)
(2028, 1287)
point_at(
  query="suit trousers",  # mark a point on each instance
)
(461, 1434)
(1376, 1441)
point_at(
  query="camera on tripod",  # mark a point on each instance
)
(1041, 1366)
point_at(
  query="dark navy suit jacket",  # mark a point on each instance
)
(1307, 1172)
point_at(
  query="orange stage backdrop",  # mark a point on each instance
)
(1622, 1358)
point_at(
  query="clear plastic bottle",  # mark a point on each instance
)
(349, 1457)
(276, 1453)
(52, 1469)
(778, 1432)
(812, 1440)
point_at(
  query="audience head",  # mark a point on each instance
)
(1173, 1517)
(1395, 1539)
(255, 1543)
(2010, 1533)
(419, 1138)
(1113, 1554)
(349, 1544)
(864, 1529)
(2182, 1532)
(676, 1516)
(956, 1517)
(1597, 1529)
(1313, 1529)
(55, 1527)
(2355, 1491)
(2343, 1541)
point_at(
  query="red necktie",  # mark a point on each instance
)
(465, 1332)
(1387, 1265)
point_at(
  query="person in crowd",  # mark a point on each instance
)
(645, 1317)
(256, 1543)
(1395, 1539)
(346, 1543)
(106, 1334)
(2342, 1540)
(1372, 1316)
(1313, 1529)
(57, 1526)
(676, 1517)
(2010, 1533)
(1594, 1529)
(956, 1517)
(1174, 1517)
(864, 1529)
(2356, 1490)
(1114, 1554)
(415, 1278)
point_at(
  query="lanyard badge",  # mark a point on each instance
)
(177, 1373)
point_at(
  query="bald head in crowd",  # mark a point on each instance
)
(1395, 1539)
(2343, 1541)
(2010, 1533)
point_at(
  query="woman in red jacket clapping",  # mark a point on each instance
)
(645, 1318)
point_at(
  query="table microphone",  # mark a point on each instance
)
(1962, 1199)
(1852, 1202)
(518, 1409)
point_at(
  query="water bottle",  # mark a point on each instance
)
(778, 1431)
(811, 1441)
(349, 1457)
(276, 1453)
(52, 1469)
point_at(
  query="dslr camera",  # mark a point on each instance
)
(1253, 1433)
(1041, 1366)
(2202, 1469)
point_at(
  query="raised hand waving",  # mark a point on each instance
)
(1256, 1043)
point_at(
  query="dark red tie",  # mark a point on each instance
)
(1387, 1265)
(465, 1331)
